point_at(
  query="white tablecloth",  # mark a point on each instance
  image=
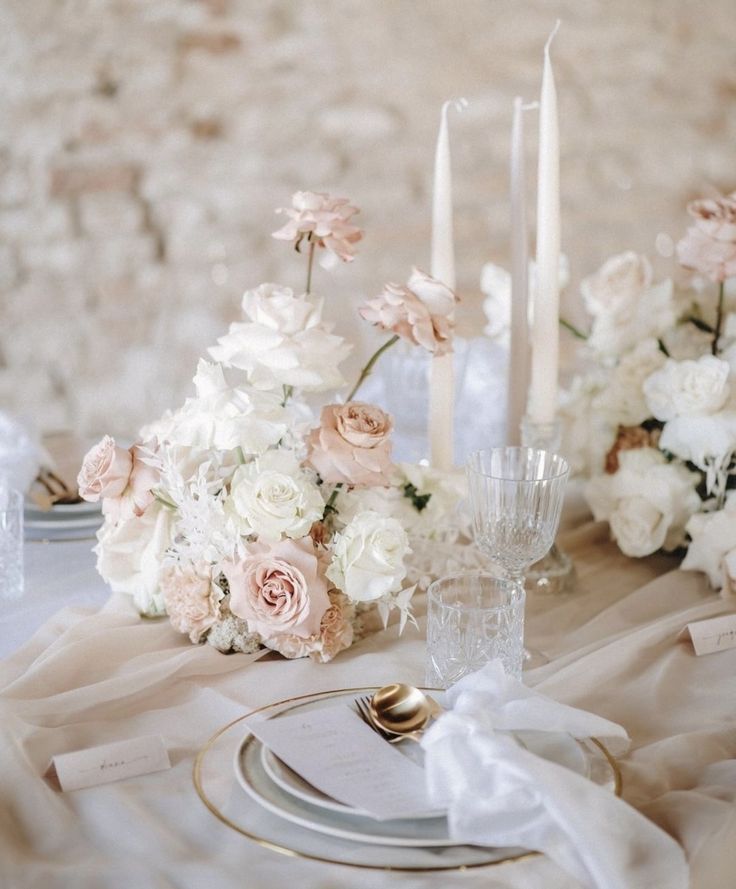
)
(86, 678)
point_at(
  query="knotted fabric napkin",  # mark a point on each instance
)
(497, 793)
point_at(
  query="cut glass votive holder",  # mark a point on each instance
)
(472, 619)
(11, 543)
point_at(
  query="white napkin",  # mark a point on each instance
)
(499, 794)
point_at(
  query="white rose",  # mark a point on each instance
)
(626, 307)
(275, 497)
(701, 440)
(130, 555)
(688, 388)
(283, 342)
(587, 433)
(223, 416)
(713, 545)
(368, 557)
(389, 502)
(617, 286)
(622, 400)
(647, 502)
(440, 516)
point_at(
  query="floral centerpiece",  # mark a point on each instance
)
(249, 521)
(652, 422)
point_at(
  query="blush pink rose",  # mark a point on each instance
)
(279, 589)
(709, 246)
(421, 312)
(335, 634)
(192, 600)
(324, 220)
(352, 445)
(105, 471)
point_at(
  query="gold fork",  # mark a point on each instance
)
(363, 708)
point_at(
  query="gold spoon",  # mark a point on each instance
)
(403, 710)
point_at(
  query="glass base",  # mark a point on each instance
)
(552, 575)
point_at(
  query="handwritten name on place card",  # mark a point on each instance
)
(111, 762)
(333, 749)
(715, 634)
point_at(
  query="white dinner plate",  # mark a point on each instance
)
(557, 747)
(279, 790)
(61, 512)
(216, 784)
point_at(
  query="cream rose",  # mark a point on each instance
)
(129, 556)
(283, 342)
(688, 388)
(647, 503)
(224, 416)
(701, 440)
(191, 599)
(352, 445)
(618, 285)
(275, 496)
(105, 471)
(622, 400)
(278, 589)
(713, 546)
(368, 557)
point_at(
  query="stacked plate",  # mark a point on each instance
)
(65, 521)
(282, 811)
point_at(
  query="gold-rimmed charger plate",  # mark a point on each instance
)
(216, 785)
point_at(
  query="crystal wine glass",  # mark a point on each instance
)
(516, 497)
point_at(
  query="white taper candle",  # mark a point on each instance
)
(545, 330)
(442, 377)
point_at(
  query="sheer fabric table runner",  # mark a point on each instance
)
(88, 677)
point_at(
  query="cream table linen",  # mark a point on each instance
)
(89, 678)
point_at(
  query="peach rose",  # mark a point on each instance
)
(335, 634)
(325, 221)
(709, 246)
(351, 446)
(105, 471)
(420, 312)
(279, 589)
(192, 600)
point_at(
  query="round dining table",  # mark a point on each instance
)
(81, 669)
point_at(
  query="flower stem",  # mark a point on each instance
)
(576, 332)
(310, 263)
(719, 319)
(370, 365)
(330, 505)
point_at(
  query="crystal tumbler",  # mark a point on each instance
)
(471, 619)
(11, 543)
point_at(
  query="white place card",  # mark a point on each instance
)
(714, 634)
(336, 752)
(111, 762)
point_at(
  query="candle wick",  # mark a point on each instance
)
(458, 104)
(552, 37)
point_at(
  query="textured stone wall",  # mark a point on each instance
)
(145, 143)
